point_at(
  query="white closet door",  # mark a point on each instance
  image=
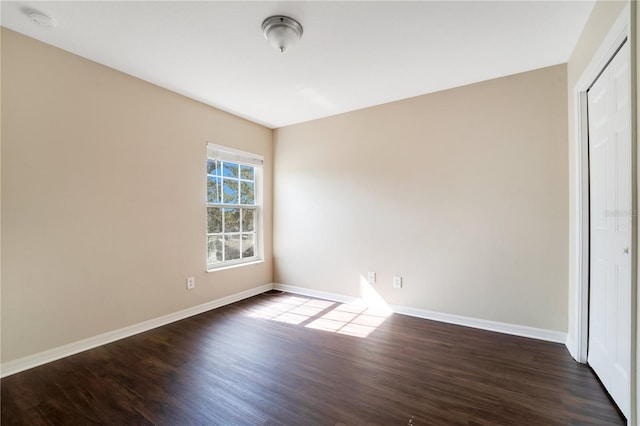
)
(609, 111)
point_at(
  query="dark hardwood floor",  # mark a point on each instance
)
(291, 360)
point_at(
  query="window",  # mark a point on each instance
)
(233, 206)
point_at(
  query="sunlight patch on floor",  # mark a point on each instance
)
(334, 317)
(358, 321)
(290, 309)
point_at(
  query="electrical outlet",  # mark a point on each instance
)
(397, 282)
(191, 283)
(371, 277)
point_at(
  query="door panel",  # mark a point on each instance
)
(610, 229)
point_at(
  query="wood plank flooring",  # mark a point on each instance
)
(291, 360)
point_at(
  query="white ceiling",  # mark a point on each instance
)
(352, 54)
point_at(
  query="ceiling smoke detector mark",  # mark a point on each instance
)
(41, 19)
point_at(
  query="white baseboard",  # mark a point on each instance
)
(500, 327)
(25, 363)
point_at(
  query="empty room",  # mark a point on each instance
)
(319, 213)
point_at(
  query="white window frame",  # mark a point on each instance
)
(224, 153)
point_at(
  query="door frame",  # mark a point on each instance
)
(577, 342)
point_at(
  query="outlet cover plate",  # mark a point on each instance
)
(191, 283)
(397, 282)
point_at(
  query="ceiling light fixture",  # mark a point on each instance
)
(281, 31)
(41, 19)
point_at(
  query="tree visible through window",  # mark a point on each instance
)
(231, 212)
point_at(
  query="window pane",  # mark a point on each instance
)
(232, 211)
(246, 193)
(213, 167)
(248, 220)
(231, 247)
(214, 246)
(230, 195)
(230, 169)
(213, 189)
(248, 245)
(231, 220)
(246, 172)
(214, 220)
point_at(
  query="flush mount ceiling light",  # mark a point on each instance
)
(281, 31)
(41, 19)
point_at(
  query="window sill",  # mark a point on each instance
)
(237, 265)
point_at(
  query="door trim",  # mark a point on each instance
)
(577, 342)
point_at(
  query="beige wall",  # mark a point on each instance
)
(602, 18)
(103, 186)
(463, 193)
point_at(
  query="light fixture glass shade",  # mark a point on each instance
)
(281, 31)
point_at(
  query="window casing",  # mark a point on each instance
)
(233, 207)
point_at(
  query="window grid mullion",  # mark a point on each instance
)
(232, 206)
(241, 227)
(222, 239)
